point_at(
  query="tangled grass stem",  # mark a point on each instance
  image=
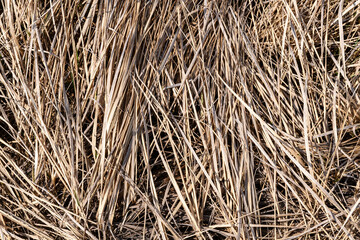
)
(179, 119)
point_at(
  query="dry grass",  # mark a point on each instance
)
(179, 119)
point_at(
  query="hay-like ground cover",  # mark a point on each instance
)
(124, 119)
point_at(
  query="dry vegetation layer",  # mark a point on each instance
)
(179, 119)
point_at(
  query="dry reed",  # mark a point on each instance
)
(182, 119)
